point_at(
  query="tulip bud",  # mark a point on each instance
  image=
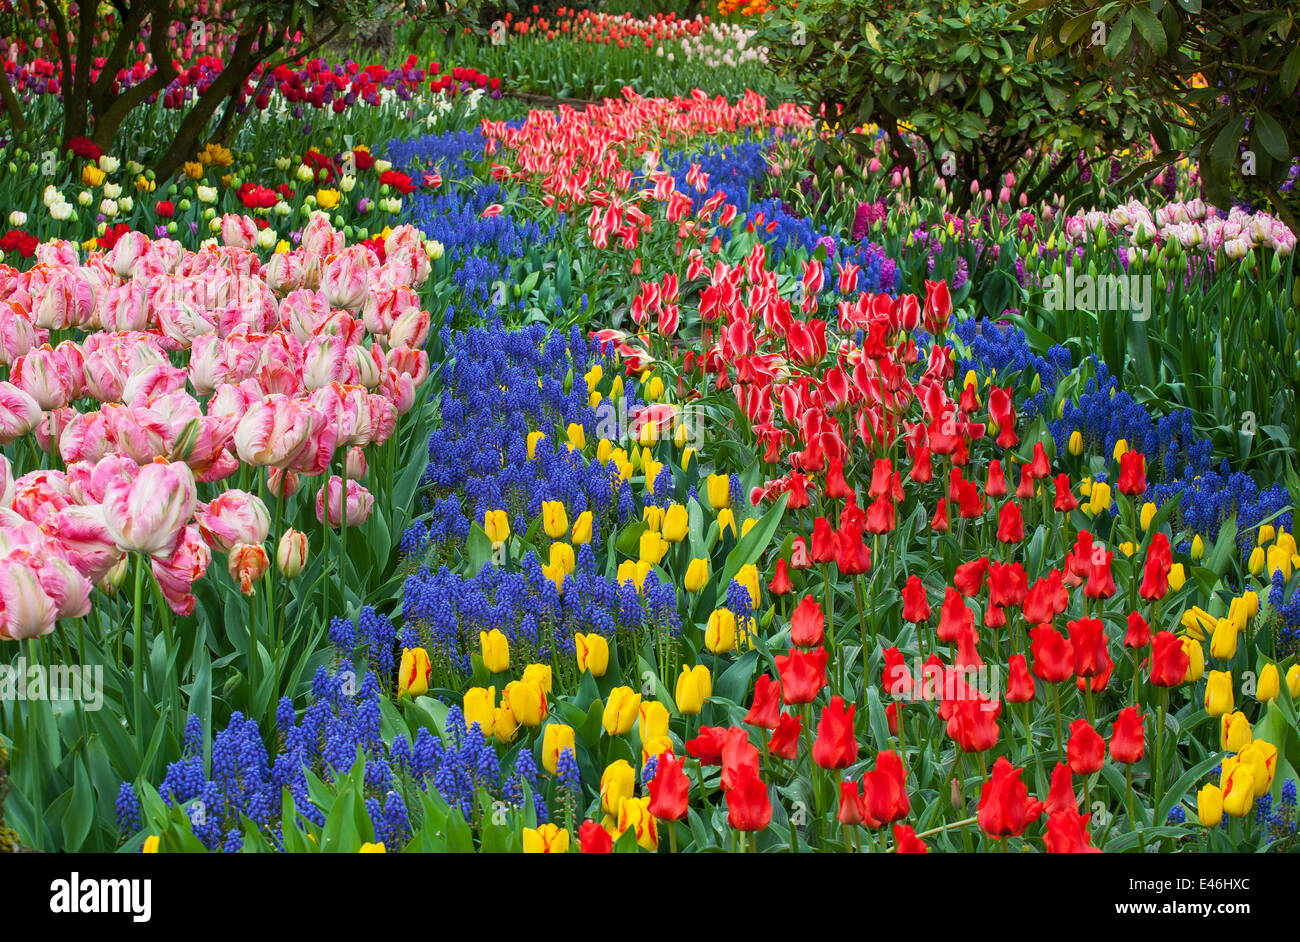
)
(1209, 806)
(496, 651)
(414, 673)
(291, 553)
(622, 708)
(592, 651)
(555, 739)
(694, 686)
(1218, 693)
(697, 575)
(616, 783)
(247, 563)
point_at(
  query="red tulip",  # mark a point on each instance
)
(1101, 584)
(738, 755)
(594, 839)
(1067, 833)
(836, 487)
(1005, 808)
(881, 515)
(1088, 639)
(969, 577)
(784, 743)
(707, 746)
(884, 790)
(852, 810)
(748, 807)
(906, 841)
(803, 675)
(953, 617)
(938, 307)
(1065, 500)
(823, 541)
(780, 584)
(1020, 684)
(1169, 660)
(973, 722)
(1139, 632)
(1155, 569)
(1061, 796)
(1053, 655)
(669, 789)
(765, 712)
(1011, 526)
(939, 522)
(996, 484)
(1086, 749)
(916, 607)
(836, 745)
(895, 677)
(806, 623)
(1132, 473)
(1126, 737)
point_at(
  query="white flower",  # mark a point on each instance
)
(17, 218)
(382, 166)
(266, 238)
(126, 204)
(347, 182)
(108, 207)
(305, 173)
(433, 249)
(112, 190)
(61, 211)
(282, 163)
(84, 197)
(206, 194)
(108, 164)
(282, 208)
(52, 195)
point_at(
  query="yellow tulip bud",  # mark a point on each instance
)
(676, 524)
(604, 450)
(1234, 732)
(1286, 541)
(1195, 660)
(687, 455)
(1177, 577)
(479, 706)
(556, 574)
(697, 575)
(1127, 547)
(1098, 500)
(726, 521)
(651, 548)
(748, 577)
(527, 702)
(533, 439)
(622, 708)
(497, 526)
(1261, 755)
(635, 813)
(414, 672)
(546, 839)
(594, 375)
(654, 390)
(555, 739)
(373, 848)
(652, 720)
(1147, 515)
(616, 388)
(1269, 685)
(1075, 445)
(655, 746)
(1218, 693)
(1266, 534)
(151, 844)
(653, 517)
(718, 489)
(1250, 604)
(1198, 547)
(554, 519)
(1121, 449)
(681, 435)
(616, 783)
(694, 686)
(720, 634)
(1223, 643)
(581, 529)
(496, 650)
(562, 557)
(577, 436)
(1209, 805)
(1256, 562)
(593, 653)
(504, 724)
(1293, 681)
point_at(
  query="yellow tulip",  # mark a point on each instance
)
(577, 436)
(1075, 445)
(622, 708)
(718, 489)
(616, 783)
(497, 526)
(1223, 643)
(654, 390)
(562, 557)
(527, 702)
(694, 686)
(496, 650)
(720, 635)
(504, 724)
(726, 521)
(676, 524)
(582, 529)
(1148, 514)
(1293, 681)
(1177, 577)
(1234, 732)
(747, 526)
(697, 575)
(1218, 693)
(556, 574)
(1098, 500)
(654, 747)
(635, 813)
(1198, 547)
(1209, 805)
(151, 844)
(593, 376)
(327, 198)
(92, 175)
(653, 517)
(554, 519)
(1262, 756)
(1256, 562)
(1195, 660)
(539, 674)
(592, 652)
(1266, 534)
(1238, 784)
(748, 577)
(546, 839)
(373, 848)
(533, 439)
(413, 673)
(479, 706)
(555, 739)
(616, 388)
(1269, 684)
(652, 720)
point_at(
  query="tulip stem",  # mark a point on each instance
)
(138, 666)
(1056, 704)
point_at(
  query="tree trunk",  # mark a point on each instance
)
(12, 106)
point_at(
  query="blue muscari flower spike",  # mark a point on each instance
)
(566, 767)
(128, 809)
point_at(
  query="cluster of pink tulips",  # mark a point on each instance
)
(136, 381)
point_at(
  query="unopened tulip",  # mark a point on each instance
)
(247, 564)
(622, 707)
(496, 650)
(414, 673)
(592, 652)
(291, 553)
